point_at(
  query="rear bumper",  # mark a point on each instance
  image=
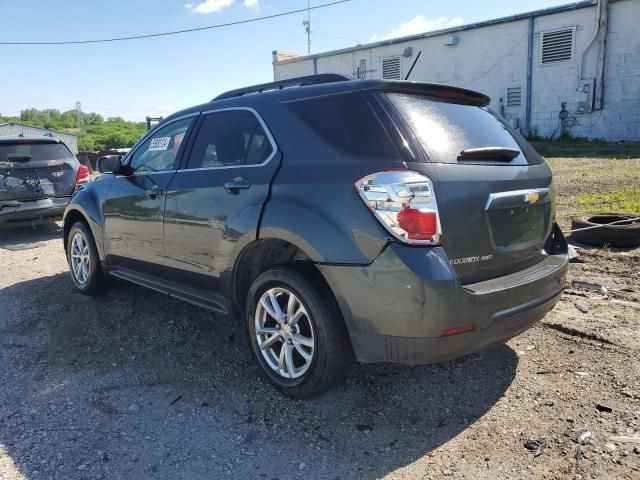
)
(16, 213)
(397, 308)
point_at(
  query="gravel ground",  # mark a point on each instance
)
(133, 384)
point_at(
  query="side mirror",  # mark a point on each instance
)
(109, 164)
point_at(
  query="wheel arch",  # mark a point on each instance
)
(74, 213)
(259, 256)
(266, 253)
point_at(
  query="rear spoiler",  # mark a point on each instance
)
(433, 90)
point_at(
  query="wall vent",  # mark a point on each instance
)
(557, 46)
(391, 68)
(514, 96)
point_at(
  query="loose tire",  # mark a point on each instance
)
(620, 235)
(84, 262)
(296, 333)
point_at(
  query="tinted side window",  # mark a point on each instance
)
(347, 122)
(230, 138)
(158, 153)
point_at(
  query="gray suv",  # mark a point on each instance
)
(37, 177)
(339, 220)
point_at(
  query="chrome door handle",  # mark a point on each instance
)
(154, 192)
(234, 186)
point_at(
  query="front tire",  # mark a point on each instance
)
(297, 334)
(84, 262)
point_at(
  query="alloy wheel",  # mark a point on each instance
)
(80, 260)
(284, 332)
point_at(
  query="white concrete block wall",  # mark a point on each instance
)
(556, 83)
(492, 58)
(620, 118)
(295, 69)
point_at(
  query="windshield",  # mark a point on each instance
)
(446, 129)
(24, 152)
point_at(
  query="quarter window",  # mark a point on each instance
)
(347, 122)
(230, 138)
(158, 153)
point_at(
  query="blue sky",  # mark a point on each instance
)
(161, 75)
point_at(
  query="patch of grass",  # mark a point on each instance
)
(587, 185)
(576, 147)
(620, 200)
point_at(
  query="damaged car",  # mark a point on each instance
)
(338, 220)
(37, 177)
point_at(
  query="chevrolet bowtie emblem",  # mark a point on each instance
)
(532, 197)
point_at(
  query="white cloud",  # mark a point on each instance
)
(254, 4)
(209, 6)
(419, 24)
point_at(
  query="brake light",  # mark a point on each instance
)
(404, 203)
(82, 176)
(418, 225)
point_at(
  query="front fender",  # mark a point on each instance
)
(87, 202)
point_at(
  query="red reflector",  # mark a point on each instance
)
(455, 331)
(83, 174)
(418, 225)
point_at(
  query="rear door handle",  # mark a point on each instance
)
(154, 192)
(234, 186)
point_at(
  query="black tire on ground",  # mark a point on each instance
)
(621, 235)
(96, 281)
(332, 353)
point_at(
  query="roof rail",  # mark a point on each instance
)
(290, 82)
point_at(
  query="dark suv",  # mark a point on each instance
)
(339, 220)
(37, 177)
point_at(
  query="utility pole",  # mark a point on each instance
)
(307, 24)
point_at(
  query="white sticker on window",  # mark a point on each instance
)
(160, 143)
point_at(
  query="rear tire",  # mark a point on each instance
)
(84, 262)
(297, 334)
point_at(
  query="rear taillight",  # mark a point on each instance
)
(405, 203)
(82, 176)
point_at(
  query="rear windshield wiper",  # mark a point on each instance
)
(497, 154)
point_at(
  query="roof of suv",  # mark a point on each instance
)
(323, 84)
(34, 139)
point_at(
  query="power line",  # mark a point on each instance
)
(178, 32)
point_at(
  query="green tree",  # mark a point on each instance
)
(95, 133)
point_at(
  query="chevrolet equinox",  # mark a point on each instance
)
(339, 220)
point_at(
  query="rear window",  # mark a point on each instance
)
(24, 152)
(446, 129)
(347, 122)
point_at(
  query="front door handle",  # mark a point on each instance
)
(154, 192)
(234, 186)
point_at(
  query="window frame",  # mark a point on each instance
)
(185, 157)
(126, 160)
